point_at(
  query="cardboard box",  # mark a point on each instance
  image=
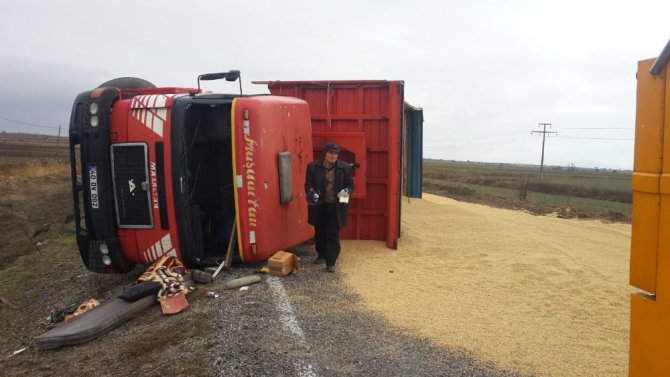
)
(282, 263)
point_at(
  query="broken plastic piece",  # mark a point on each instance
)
(174, 304)
(19, 351)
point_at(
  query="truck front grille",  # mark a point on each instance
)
(131, 185)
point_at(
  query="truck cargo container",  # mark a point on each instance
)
(650, 239)
(368, 120)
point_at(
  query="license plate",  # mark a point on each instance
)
(93, 186)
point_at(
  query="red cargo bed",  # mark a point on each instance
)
(365, 119)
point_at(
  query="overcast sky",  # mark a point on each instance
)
(484, 72)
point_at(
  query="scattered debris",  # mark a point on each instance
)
(140, 290)
(168, 271)
(43, 228)
(8, 303)
(211, 294)
(174, 304)
(83, 308)
(19, 351)
(245, 288)
(58, 315)
(42, 243)
(282, 263)
(201, 277)
(228, 259)
(241, 282)
(171, 283)
(171, 264)
(163, 278)
(93, 324)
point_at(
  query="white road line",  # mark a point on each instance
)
(289, 320)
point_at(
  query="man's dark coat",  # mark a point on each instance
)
(316, 179)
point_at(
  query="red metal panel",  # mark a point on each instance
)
(271, 125)
(352, 150)
(373, 108)
(145, 119)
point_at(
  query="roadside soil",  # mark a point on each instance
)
(34, 182)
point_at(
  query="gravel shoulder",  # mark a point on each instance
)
(336, 335)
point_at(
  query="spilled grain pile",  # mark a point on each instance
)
(537, 295)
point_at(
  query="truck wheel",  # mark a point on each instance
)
(127, 83)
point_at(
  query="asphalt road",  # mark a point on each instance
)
(308, 325)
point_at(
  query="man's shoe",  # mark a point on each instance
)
(330, 268)
(318, 260)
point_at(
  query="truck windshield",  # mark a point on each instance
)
(203, 169)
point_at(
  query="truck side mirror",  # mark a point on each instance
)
(231, 75)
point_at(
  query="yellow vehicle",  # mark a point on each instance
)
(650, 244)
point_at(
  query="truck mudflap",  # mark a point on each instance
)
(272, 145)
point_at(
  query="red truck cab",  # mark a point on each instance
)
(175, 171)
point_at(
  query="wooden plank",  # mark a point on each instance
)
(8, 303)
(231, 246)
(228, 260)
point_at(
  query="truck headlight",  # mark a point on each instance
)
(104, 249)
(93, 108)
(95, 121)
(106, 260)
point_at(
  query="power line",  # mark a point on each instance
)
(506, 134)
(455, 143)
(595, 128)
(594, 138)
(28, 124)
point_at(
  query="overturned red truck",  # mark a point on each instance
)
(180, 172)
(175, 171)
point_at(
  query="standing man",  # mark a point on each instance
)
(328, 184)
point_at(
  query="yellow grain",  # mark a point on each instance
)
(537, 295)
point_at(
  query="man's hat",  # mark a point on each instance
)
(331, 147)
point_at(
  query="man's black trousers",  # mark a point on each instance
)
(327, 233)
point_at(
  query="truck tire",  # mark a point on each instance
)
(127, 83)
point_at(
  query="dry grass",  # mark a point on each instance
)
(585, 193)
(35, 192)
(36, 169)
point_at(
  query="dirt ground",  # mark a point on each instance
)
(471, 291)
(535, 294)
(34, 181)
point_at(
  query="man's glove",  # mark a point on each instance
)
(345, 192)
(312, 197)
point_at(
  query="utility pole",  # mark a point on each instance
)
(544, 133)
(58, 140)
